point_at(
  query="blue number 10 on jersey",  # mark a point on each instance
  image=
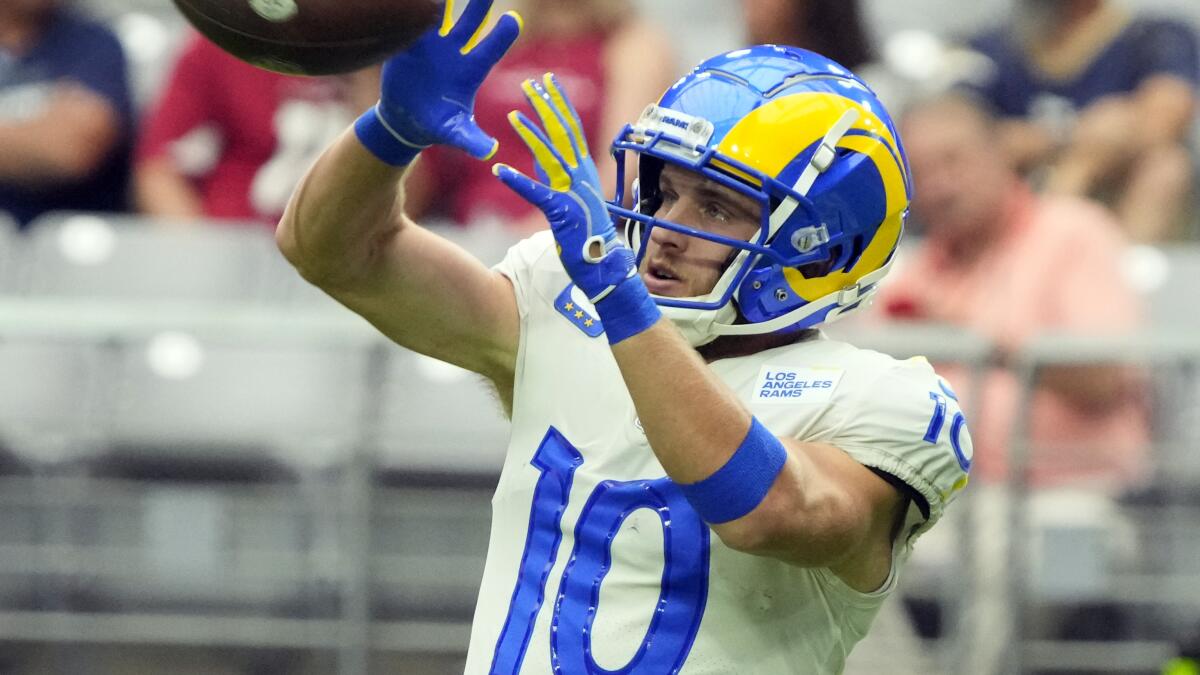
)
(684, 588)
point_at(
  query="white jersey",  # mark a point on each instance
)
(597, 561)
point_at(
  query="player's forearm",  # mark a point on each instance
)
(693, 421)
(341, 214)
(695, 424)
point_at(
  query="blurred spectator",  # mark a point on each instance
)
(65, 112)
(1102, 101)
(229, 140)
(832, 28)
(609, 60)
(1008, 264)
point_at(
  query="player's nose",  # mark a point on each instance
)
(679, 212)
(661, 237)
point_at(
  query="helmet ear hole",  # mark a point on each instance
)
(821, 267)
(855, 251)
(649, 195)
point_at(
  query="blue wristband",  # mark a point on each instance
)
(741, 485)
(627, 310)
(383, 142)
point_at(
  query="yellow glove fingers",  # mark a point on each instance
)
(467, 29)
(544, 153)
(555, 128)
(567, 112)
(473, 41)
(447, 19)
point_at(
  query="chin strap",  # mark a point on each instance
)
(841, 302)
(702, 327)
(697, 325)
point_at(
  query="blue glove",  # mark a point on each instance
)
(595, 259)
(428, 90)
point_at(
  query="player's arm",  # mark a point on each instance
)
(344, 229)
(821, 509)
(805, 503)
(344, 232)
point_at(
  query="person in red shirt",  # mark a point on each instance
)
(227, 140)
(612, 62)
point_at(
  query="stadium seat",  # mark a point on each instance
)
(297, 399)
(230, 434)
(131, 258)
(47, 397)
(48, 426)
(9, 254)
(438, 418)
(428, 547)
(1166, 277)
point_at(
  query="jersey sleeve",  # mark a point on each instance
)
(907, 423)
(523, 265)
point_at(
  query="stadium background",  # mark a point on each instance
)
(208, 467)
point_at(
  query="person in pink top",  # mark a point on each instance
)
(1009, 264)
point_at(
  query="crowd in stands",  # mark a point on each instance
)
(1073, 139)
(1090, 100)
(1030, 176)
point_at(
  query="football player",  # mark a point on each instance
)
(697, 480)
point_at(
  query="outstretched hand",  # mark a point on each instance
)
(428, 90)
(595, 259)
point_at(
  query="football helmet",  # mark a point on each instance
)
(812, 144)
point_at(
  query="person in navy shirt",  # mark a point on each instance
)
(65, 112)
(1100, 102)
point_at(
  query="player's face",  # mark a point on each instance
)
(678, 266)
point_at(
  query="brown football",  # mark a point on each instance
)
(311, 37)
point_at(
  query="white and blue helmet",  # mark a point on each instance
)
(813, 145)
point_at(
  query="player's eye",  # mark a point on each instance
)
(715, 211)
(668, 198)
